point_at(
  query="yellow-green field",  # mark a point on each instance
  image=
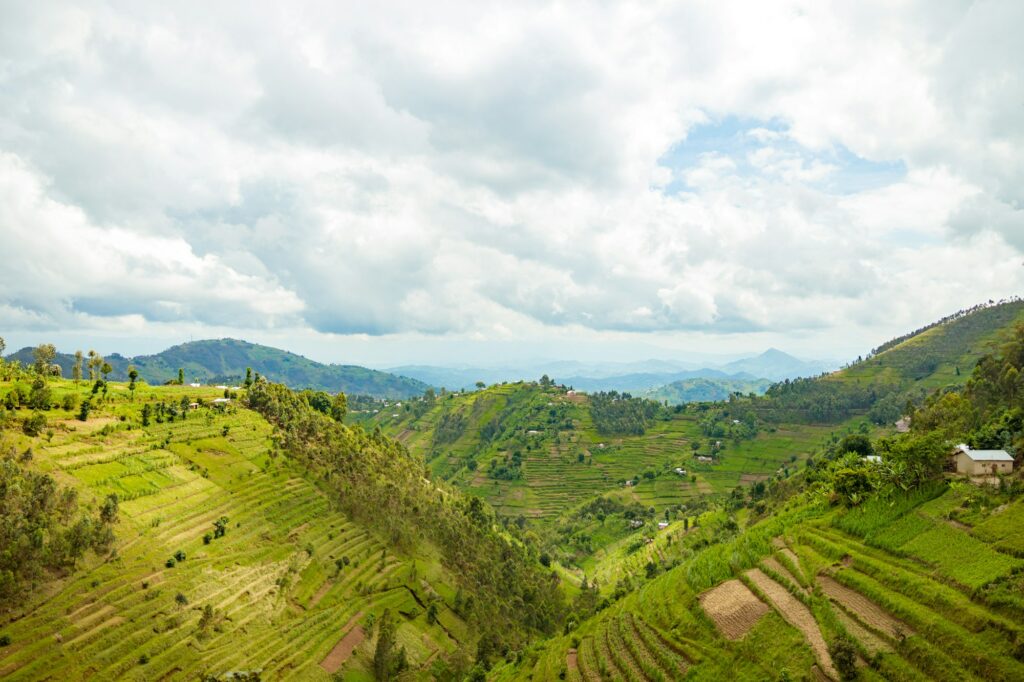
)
(280, 601)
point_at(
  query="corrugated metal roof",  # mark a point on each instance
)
(986, 455)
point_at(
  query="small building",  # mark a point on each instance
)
(533, 432)
(629, 483)
(873, 459)
(193, 406)
(982, 462)
(636, 523)
(662, 525)
(221, 401)
(681, 471)
(195, 384)
(221, 387)
(570, 393)
(705, 459)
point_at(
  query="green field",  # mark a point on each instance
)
(280, 602)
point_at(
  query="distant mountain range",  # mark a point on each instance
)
(634, 377)
(225, 361)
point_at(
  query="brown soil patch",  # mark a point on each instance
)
(778, 543)
(863, 608)
(797, 615)
(345, 646)
(872, 642)
(753, 478)
(570, 660)
(733, 608)
(775, 566)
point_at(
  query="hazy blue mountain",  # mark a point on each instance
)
(777, 365)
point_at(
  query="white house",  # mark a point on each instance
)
(662, 525)
(221, 401)
(982, 462)
(195, 384)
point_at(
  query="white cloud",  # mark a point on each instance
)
(496, 169)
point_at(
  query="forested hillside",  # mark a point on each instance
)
(226, 361)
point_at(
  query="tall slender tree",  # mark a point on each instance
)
(76, 370)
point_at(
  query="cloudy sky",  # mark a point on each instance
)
(388, 183)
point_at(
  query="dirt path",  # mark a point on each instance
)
(798, 615)
(733, 608)
(570, 661)
(345, 646)
(866, 610)
(320, 593)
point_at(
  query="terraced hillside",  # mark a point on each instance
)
(818, 593)
(562, 458)
(290, 588)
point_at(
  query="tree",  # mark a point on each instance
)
(3, 346)
(339, 407)
(39, 396)
(92, 364)
(480, 385)
(76, 369)
(133, 374)
(108, 512)
(387, 662)
(248, 377)
(43, 354)
(146, 412)
(181, 376)
(83, 410)
(105, 369)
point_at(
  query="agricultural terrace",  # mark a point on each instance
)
(923, 586)
(227, 557)
(534, 451)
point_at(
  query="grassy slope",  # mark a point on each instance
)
(930, 360)
(960, 611)
(553, 477)
(281, 608)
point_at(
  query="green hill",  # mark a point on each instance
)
(265, 538)
(225, 361)
(704, 390)
(904, 369)
(850, 569)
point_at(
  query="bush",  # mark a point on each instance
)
(34, 425)
(844, 656)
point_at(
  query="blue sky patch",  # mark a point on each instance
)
(738, 137)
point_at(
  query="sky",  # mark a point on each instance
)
(396, 183)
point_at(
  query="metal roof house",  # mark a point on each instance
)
(982, 462)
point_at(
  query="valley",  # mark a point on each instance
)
(522, 530)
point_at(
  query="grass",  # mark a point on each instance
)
(280, 599)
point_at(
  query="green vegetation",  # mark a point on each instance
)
(703, 390)
(150, 532)
(229, 362)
